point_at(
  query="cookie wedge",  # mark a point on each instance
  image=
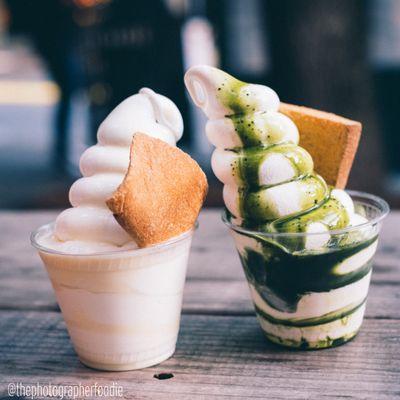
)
(161, 194)
(331, 140)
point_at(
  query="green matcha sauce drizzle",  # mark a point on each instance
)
(259, 141)
(250, 159)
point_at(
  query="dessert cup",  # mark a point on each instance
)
(121, 308)
(311, 299)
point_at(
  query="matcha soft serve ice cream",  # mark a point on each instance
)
(308, 282)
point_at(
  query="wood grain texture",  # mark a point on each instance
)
(216, 357)
(215, 279)
(221, 352)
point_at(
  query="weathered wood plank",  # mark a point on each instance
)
(215, 278)
(212, 246)
(216, 357)
(200, 296)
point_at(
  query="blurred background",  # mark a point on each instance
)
(65, 64)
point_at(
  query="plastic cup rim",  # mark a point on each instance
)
(131, 252)
(376, 201)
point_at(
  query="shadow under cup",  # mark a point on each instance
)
(311, 299)
(121, 308)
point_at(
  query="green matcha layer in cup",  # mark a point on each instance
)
(311, 299)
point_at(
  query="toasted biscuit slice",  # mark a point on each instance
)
(331, 140)
(161, 194)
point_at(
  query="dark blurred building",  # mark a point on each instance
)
(384, 57)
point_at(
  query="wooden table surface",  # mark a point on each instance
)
(221, 351)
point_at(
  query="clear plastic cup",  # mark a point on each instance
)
(311, 299)
(121, 308)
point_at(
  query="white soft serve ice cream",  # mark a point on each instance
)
(121, 308)
(89, 225)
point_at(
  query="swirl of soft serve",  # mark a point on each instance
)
(89, 225)
(269, 181)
